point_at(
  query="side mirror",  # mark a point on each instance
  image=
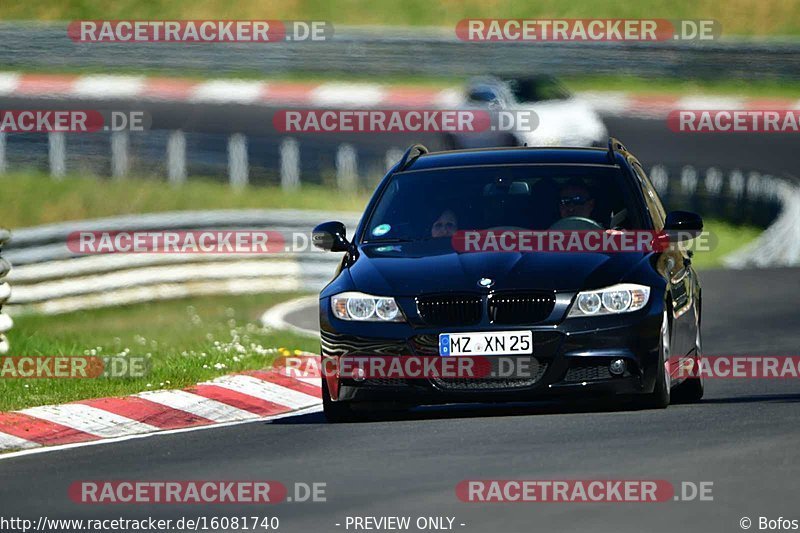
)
(683, 225)
(330, 236)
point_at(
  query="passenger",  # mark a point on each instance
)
(446, 225)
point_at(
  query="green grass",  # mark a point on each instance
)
(725, 239)
(758, 88)
(182, 341)
(738, 17)
(31, 199)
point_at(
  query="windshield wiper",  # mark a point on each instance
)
(395, 240)
(387, 241)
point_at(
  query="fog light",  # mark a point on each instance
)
(617, 367)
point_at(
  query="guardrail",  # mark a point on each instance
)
(387, 50)
(240, 159)
(49, 278)
(5, 293)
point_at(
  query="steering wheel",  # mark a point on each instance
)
(576, 223)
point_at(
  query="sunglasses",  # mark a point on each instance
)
(574, 200)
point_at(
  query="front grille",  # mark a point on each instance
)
(520, 307)
(580, 371)
(535, 371)
(450, 309)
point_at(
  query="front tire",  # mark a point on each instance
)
(661, 395)
(692, 389)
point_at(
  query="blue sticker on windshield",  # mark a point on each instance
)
(383, 229)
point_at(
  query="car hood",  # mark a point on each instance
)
(399, 272)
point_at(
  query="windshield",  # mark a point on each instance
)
(430, 204)
(482, 94)
(538, 89)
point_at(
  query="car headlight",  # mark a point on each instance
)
(360, 306)
(622, 298)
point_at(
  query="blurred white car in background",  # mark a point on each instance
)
(563, 119)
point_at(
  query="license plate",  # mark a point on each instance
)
(491, 343)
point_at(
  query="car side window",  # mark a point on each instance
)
(651, 198)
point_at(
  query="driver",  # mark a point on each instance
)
(575, 200)
(446, 225)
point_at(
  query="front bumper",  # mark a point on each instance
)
(572, 358)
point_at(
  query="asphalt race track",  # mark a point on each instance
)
(743, 436)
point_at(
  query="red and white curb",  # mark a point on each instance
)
(249, 396)
(335, 94)
(230, 91)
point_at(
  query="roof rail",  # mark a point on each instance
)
(411, 155)
(614, 146)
